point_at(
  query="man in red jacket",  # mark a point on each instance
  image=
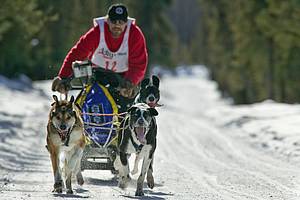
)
(115, 43)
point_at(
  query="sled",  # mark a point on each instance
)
(100, 113)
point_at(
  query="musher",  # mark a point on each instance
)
(115, 43)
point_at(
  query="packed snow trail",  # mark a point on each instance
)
(196, 158)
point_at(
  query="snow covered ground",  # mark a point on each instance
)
(207, 148)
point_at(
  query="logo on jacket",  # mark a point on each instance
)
(109, 55)
(106, 54)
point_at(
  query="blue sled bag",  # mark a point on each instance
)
(99, 113)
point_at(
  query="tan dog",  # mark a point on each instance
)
(65, 143)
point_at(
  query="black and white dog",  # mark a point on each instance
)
(137, 135)
(149, 92)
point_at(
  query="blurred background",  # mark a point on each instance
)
(251, 48)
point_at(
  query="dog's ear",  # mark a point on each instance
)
(55, 99)
(72, 99)
(153, 111)
(155, 81)
(132, 108)
(145, 82)
(52, 114)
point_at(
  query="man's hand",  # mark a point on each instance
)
(61, 85)
(128, 89)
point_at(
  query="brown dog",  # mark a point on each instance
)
(65, 143)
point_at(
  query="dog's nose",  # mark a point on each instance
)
(63, 127)
(151, 98)
(140, 121)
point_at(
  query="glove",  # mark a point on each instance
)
(128, 89)
(60, 85)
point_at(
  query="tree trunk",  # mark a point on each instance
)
(270, 69)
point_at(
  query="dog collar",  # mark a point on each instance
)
(137, 147)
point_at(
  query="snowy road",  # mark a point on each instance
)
(196, 158)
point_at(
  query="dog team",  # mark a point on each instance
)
(137, 135)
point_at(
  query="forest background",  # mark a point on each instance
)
(251, 47)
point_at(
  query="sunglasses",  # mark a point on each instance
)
(121, 22)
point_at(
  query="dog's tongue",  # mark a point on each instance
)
(140, 132)
(152, 104)
(63, 135)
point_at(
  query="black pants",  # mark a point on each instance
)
(114, 80)
(123, 103)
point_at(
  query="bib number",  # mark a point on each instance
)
(111, 65)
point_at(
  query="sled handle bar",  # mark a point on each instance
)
(85, 73)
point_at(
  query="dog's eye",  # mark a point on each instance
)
(136, 115)
(58, 117)
(146, 114)
(68, 118)
(70, 110)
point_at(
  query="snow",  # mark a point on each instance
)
(207, 147)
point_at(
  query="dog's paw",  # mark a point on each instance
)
(79, 178)
(69, 191)
(57, 190)
(122, 184)
(124, 181)
(139, 192)
(114, 172)
(150, 181)
(58, 187)
(80, 181)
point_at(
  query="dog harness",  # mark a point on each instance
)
(104, 58)
(62, 135)
(137, 147)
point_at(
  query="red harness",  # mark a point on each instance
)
(153, 105)
(64, 135)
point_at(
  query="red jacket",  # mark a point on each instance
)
(88, 43)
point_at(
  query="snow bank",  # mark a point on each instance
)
(21, 108)
(269, 126)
